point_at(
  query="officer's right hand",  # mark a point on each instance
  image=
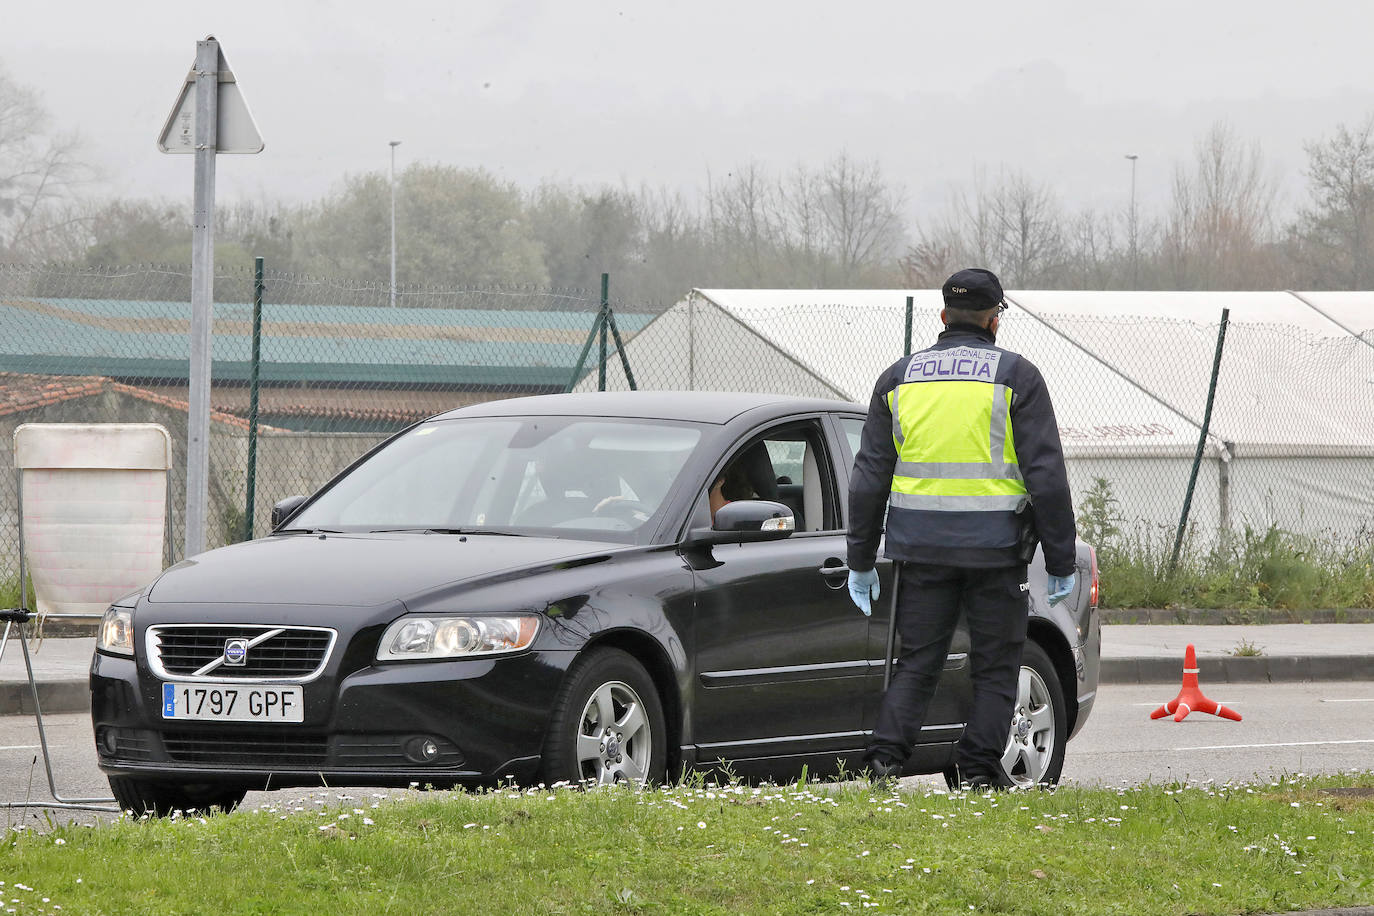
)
(1060, 587)
(862, 586)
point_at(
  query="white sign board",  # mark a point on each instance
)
(94, 510)
(235, 130)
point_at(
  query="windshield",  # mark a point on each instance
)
(575, 475)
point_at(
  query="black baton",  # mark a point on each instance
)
(892, 624)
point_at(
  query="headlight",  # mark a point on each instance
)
(455, 637)
(117, 631)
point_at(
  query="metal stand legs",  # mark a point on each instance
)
(22, 616)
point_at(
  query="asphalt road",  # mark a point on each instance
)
(1288, 728)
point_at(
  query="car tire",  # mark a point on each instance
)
(159, 798)
(1039, 729)
(607, 724)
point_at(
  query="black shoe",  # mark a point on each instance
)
(883, 773)
(981, 783)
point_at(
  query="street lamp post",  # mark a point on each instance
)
(394, 144)
(1135, 260)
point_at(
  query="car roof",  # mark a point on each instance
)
(695, 406)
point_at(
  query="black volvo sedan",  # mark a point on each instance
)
(570, 588)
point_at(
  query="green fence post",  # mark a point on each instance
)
(586, 348)
(906, 346)
(1201, 440)
(608, 319)
(601, 318)
(253, 400)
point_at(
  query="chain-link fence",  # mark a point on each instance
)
(1290, 441)
(340, 369)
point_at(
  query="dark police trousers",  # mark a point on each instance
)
(995, 604)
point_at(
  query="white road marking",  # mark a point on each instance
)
(19, 747)
(1238, 747)
(1346, 700)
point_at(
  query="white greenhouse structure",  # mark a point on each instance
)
(1291, 434)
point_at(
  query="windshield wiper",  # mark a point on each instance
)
(499, 531)
(306, 531)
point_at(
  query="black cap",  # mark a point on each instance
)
(973, 289)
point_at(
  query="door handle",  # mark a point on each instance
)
(833, 570)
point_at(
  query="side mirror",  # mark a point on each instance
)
(285, 509)
(747, 520)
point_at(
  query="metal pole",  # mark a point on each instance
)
(906, 345)
(394, 144)
(1135, 260)
(620, 348)
(1201, 440)
(586, 348)
(253, 370)
(1224, 494)
(601, 319)
(202, 295)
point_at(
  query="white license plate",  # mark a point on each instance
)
(232, 703)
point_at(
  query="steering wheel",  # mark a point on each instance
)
(628, 509)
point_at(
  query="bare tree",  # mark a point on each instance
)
(742, 217)
(859, 212)
(1092, 257)
(1220, 228)
(1030, 235)
(38, 171)
(1014, 228)
(1336, 234)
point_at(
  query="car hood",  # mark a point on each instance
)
(355, 570)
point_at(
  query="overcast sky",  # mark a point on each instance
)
(665, 93)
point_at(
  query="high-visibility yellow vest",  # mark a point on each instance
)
(951, 424)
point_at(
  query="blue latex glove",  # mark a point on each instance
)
(861, 586)
(1060, 587)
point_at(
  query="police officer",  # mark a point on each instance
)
(962, 450)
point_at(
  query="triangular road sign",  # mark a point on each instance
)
(235, 130)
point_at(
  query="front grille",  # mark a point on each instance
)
(277, 653)
(255, 751)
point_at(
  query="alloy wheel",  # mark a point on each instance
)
(1031, 742)
(614, 739)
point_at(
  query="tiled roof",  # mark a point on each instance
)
(396, 415)
(20, 393)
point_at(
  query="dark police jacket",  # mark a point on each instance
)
(925, 524)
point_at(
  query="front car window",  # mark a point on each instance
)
(787, 465)
(574, 475)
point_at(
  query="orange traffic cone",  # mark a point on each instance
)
(1190, 698)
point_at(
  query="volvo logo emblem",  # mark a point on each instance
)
(236, 652)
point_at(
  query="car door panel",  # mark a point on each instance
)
(782, 654)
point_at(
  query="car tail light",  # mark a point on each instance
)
(1093, 589)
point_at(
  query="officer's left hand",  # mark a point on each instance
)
(1060, 587)
(862, 585)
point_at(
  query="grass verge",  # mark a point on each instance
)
(698, 849)
(1249, 568)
